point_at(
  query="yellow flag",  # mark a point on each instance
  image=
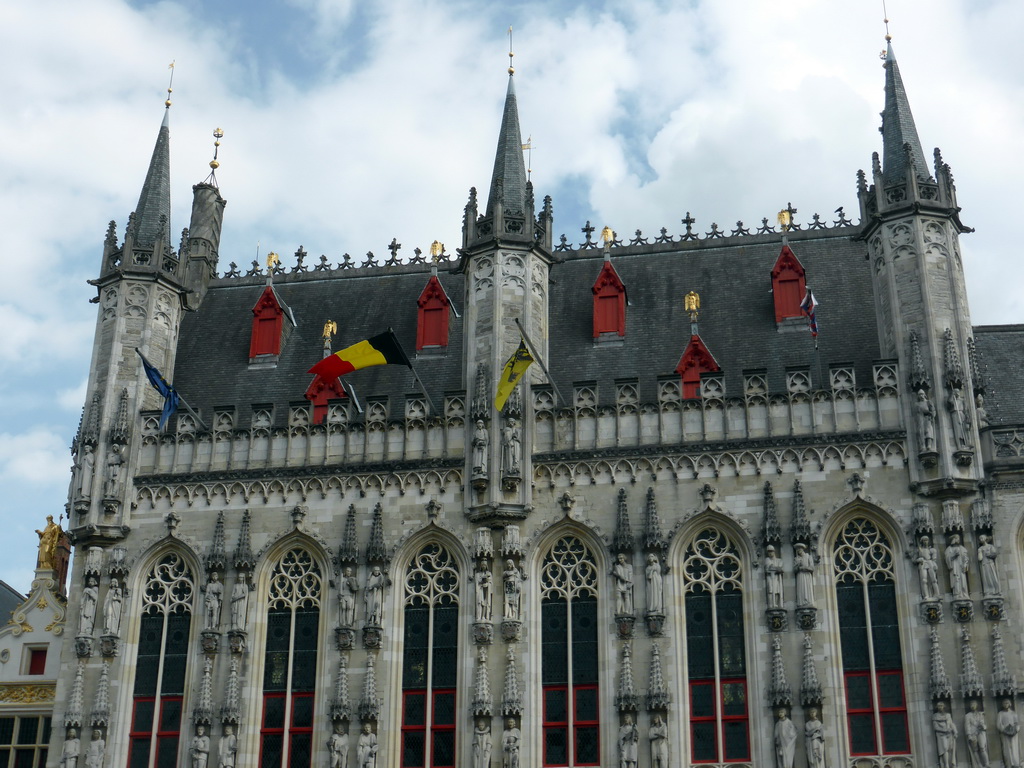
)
(512, 373)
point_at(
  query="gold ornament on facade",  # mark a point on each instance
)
(330, 328)
(170, 82)
(436, 249)
(272, 260)
(785, 220)
(218, 134)
(41, 605)
(49, 537)
(691, 303)
(607, 236)
(27, 694)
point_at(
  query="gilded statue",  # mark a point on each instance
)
(49, 537)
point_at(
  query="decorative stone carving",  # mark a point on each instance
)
(483, 546)
(482, 744)
(654, 539)
(97, 749)
(771, 531)
(203, 712)
(482, 704)
(87, 614)
(626, 698)
(784, 739)
(928, 569)
(657, 734)
(369, 703)
(622, 539)
(373, 596)
(987, 554)
(512, 699)
(629, 742)
(976, 733)
(924, 413)
(200, 749)
(227, 747)
(1003, 683)
(100, 715)
(970, 678)
(655, 586)
(112, 608)
(112, 474)
(239, 602)
(513, 578)
(780, 694)
(1008, 725)
(230, 713)
(938, 680)
(511, 740)
(958, 562)
(348, 588)
(810, 688)
(511, 543)
(483, 633)
(803, 564)
(481, 439)
(814, 740)
(484, 589)
(945, 735)
(511, 450)
(622, 574)
(657, 692)
(366, 747)
(773, 571)
(71, 750)
(212, 602)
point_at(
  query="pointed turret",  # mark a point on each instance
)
(153, 213)
(901, 145)
(508, 180)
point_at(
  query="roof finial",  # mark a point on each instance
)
(511, 69)
(528, 148)
(170, 82)
(885, 20)
(218, 134)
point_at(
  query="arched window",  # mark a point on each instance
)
(569, 663)
(430, 659)
(289, 674)
(161, 664)
(876, 704)
(716, 664)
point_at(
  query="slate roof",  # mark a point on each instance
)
(1000, 350)
(898, 128)
(155, 198)
(10, 599)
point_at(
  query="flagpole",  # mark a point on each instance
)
(540, 361)
(423, 389)
(194, 414)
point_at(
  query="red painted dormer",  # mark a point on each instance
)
(267, 325)
(788, 285)
(697, 359)
(319, 392)
(432, 316)
(609, 303)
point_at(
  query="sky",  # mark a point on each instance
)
(348, 123)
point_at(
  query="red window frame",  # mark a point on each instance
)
(555, 725)
(789, 284)
(432, 316)
(574, 726)
(429, 724)
(719, 720)
(883, 711)
(873, 692)
(267, 324)
(145, 738)
(292, 728)
(37, 661)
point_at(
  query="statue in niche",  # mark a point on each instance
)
(484, 594)
(337, 747)
(658, 735)
(513, 591)
(622, 572)
(814, 740)
(239, 601)
(510, 448)
(785, 740)
(1009, 726)
(482, 744)
(803, 564)
(347, 591)
(49, 538)
(955, 404)
(987, 554)
(373, 597)
(928, 569)
(655, 586)
(976, 732)
(72, 749)
(214, 598)
(958, 562)
(366, 747)
(510, 741)
(945, 735)
(480, 439)
(227, 749)
(114, 462)
(200, 750)
(97, 747)
(86, 469)
(980, 412)
(773, 577)
(112, 608)
(90, 596)
(925, 413)
(628, 738)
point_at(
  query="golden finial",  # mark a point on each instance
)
(170, 82)
(885, 20)
(691, 303)
(607, 236)
(511, 69)
(218, 134)
(436, 249)
(272, 260)
(785, 220)
(330, 328)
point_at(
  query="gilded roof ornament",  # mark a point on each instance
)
(330, 328)
(436, 249)
(511, 69)
(170, 82)
(691, 303)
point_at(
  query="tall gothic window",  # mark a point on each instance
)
(569, 663)
(430, 659)
(876, 704)
(289, 674)
(716, 664)
(161, 666)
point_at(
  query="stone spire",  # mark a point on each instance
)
(482, 704)
(657, 692)
(512, 700)
(153, 212)
(939, 680)
(508, 180)
(801, 525)
(341, 708)
(244, 557)
(901, 146)
(623, 540)
(203, 713)
(626, 699)
(771, 533)
(217, 559)
(100, 716)
(348, 552)
(369, 704)
(810, 688)
(73, 714)
(376, 551)
(780, 694)
(231, 712)
(970, 677)
(653, 537)
(1003, 683)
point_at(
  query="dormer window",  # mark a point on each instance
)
(432, 320)
(788, 285)
(267, 323)
(319, 392)
(696, 359)
(609, 303)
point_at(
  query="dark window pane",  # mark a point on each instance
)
(853, 626)
(46, 731)
(554, 640)
(734, 699)
(176, 653)
(862, 734)
(143, 716)
(702, 700)
(273, 712)
(167, 752)
(699, 647)
(6, 730)
(41, 762)
(555, 706)
(555, 746)
(890, 691)
(895, 738)
(587, 752)
(413, 743)
(858, 692)
(304, 671)
(28, 730)
(584, 641)
(24, 758)
(445, 667)
(732, 656)
(414, 668)
(704, 747)
(444, 749)
(415, 709)
(737, 746)
(444, 708)
(307, 623)
(138, 757)
(279, 622)
(302, 712)
(416, 618)
(301, 753)
(586, 704)
(270, 750)
(170, 714)
(884, 625)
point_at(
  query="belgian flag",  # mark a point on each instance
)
(382, 349)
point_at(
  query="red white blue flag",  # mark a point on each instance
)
(809, 305)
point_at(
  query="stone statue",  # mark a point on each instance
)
(480, 439)
(97, 747)
(374, 598)
(90, 596)
(958, 563)
(513, 591)
(814, 740)
(49, 538)
(928, 569)
(86, 470)
(510, 741)
(239, 602)
(200, 748)
(622, 572)
(482, 744)
(925, 421)
(510, 445)
(112, 608)
(987, 554)
(347, 591)
(655, 586)
(337, 747)
(114, 462)
(980, 412)
(72, 749)
(214, 598)
(785, 740)
(484, 596)
(955, 404)
(366, 748)
(658, 734)
(976, 732)
(227, 749)
(945, 735)
(1009, 726)
(803, 564)
(628, 738)
(773, 577)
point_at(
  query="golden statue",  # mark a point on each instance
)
(436, 249)
(691, 303)
(330, 328)
(272, 260)
(785, 220)
(49, 537)
(607, 236)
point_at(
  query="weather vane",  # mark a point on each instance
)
(528, 149)
(170, 82)
(218, 134)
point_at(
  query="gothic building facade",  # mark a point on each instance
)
(702, 536)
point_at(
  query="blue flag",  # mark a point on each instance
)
(160, 384)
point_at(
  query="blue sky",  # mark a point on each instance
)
(348, 123)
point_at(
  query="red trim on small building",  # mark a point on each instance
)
(267, 324)
(609, 302)
(788, 285)
(319, 392)
(432, 316)
(696, 359)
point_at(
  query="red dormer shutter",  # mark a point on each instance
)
(788, 284)
(432, 320)
(267, 323)
(609, 302)
(696, 359)
(319, 392)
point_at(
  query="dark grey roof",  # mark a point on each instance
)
(1000, 350)
(155, 199)
(10, 598)
(509, 167)
(898, 127)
